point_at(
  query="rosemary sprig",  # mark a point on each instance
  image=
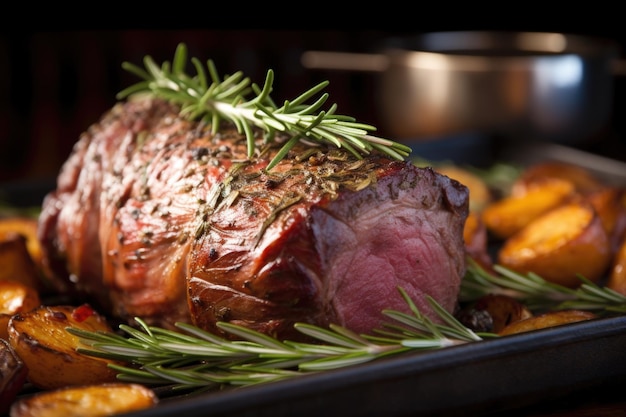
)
(192, 358)
(196, 359)
(227, 99)
(537, 293)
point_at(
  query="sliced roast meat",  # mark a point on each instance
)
(156, 217)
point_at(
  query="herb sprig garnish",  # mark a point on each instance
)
(537, 293)
(215, 99)
(196, 359)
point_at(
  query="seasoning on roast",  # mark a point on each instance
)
(156, 217)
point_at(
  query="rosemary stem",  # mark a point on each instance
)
(228, 99)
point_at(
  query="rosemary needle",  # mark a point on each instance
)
(236, 99)
(537, 293)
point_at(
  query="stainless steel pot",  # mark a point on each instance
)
(550, 86)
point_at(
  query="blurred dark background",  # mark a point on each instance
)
(57, 78)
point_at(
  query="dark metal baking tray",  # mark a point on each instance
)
(480, 378)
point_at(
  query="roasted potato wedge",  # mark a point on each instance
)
(16, 263)
(86, 401)
(50, 352)
(581, 178)
(564, 242)
(617, 273)
(476, 240)
(545, 320)
(507, 216)
(492, 312)
(612, 212)
(13, 374)
(503, 310)
(479, 193)
(27, 227)
(15, 297)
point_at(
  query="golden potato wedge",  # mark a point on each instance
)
(608, 204)
(16, 263)
(502, 309)
(479, 193)
(49, 351)
(13, 374)
(492, 312)
(562, 243)
(15, 297)
(27, 227)
(507, 216)
(476, 240)
(545, 320)
(617, 273)
(86, 401)
(581, 178)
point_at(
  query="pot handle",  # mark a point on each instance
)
(350, 61)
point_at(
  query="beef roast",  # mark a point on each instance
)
(156, 217)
